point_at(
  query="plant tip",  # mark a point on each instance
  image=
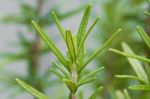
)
(102, 67)
(147, 13)
(63, 80)
(32, 21)
(110, 49)
(98, 17)
(119, 29)
(16, 79)
(53, 12)
(117, 76)
(101, 87)
(51, 69)
(67, 30)
(95, 78)
(129, 87)
(123, 43)
(89, 4)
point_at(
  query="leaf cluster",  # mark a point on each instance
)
(141, 74)
(72, 72)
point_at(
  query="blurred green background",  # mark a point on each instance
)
(24, 55)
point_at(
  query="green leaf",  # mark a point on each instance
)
(49, 42)
(57, 74)
(129, 77)
(130, 55)
(85, 79)
(119, 94)
(88, 80)
(96, 93)
(147, 13)
(127, 96)
(86, 34)
(144, 36)
(71, 85)
(71, 45)
(32, 90)
(83, 24)
(62, 70)
(94, 72)
(136, 65)
(11, 19)
(10, 58)
(105, 45)
(62, 31)
(140, 87)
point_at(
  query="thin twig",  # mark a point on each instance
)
(33, 68)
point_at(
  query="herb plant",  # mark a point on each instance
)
(116, 13)
(31, 49)
(75, 62)
(141, 73)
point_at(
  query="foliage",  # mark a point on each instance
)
(136, 65)
(116, 14)
(74, 65)
(30, 49)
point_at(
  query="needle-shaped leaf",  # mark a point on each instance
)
(62, 70)
(127, 96)
(144, 36)
(147, 13)
(10, 58)
(88, 80)
(129, 77)
(62, 31)
(83, 24)
(12, 19)
(119, 94)
(7, 61)
(90, 75)
(71, 85)
(71, 45)
(86, 34)
(140, 87)
(105, 45)
(130, 55)
(57, 74)
(96, 93)
(49, 42)
(136, 65)
(32, 90)
(94, 72)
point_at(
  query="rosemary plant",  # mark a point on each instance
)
(75, 62)
(142, 74)
(31, 50)
(118, 14)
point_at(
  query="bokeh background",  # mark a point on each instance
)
(18, 40)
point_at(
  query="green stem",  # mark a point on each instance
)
(74, 73)
(74, 76)
(73, 96)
